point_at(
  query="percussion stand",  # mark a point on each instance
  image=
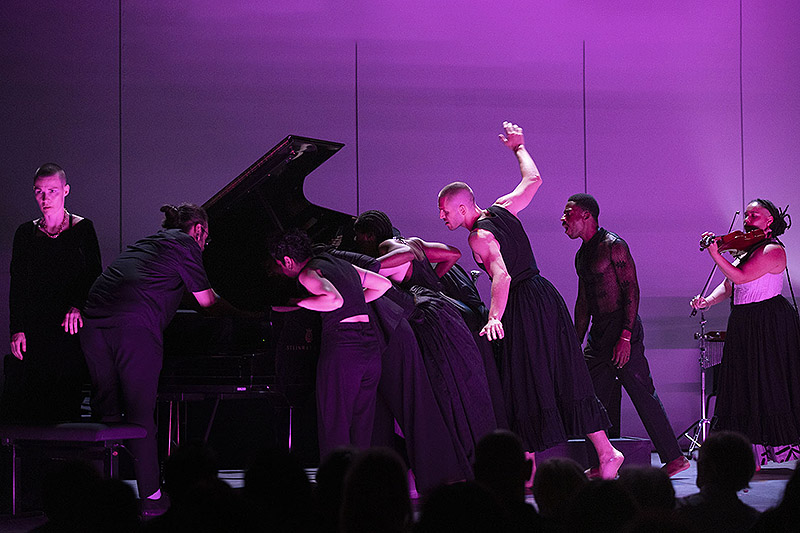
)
(698, 431)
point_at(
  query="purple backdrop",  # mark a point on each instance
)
(167, 102)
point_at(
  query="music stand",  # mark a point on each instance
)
(698, 431)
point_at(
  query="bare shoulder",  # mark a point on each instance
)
(480, 239)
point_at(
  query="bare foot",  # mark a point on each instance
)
(593, 472)
(529, 481)
(610, 464)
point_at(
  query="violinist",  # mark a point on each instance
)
(759, 378)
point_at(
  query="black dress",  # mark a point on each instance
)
(759, 377)
(405, 393)
(454, 366)
(48, 276)
(547, 389)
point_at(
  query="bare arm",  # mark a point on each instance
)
(374, 284)
(770, 258)
(521, 196)
(486, 248)
(394, 253)
(581, 312)
(324, 297)
(443, 255)
(205, 298)
(721, 292)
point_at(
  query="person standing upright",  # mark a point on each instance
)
(608, 295)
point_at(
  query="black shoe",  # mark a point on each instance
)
(152, 508)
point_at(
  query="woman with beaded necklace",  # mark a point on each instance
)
(55, 260)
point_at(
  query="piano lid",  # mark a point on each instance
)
(265, 199)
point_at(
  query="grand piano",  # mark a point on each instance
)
(209, 359)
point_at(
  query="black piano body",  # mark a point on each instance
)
(208, 359)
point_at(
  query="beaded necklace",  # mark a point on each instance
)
(42, 225)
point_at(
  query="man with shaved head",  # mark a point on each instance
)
(546, 386)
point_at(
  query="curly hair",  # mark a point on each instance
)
(293, 243)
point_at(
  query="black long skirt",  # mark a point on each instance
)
(548, 392)
(456, 373)
(759, 377)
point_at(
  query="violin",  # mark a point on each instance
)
(734, 241)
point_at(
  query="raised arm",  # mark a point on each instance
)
(521, 196)
(770, 258)
(486, 248)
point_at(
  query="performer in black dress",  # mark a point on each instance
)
(758, 392)
(405, 393)
(349, 363)
(454, 363)
(548, 392)
(608, 295)
(55, 259)
(126, 312)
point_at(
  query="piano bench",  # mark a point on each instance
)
(78, 440)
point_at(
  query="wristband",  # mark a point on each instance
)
(624, 339)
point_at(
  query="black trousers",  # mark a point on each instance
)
(635, 377)
(124, 364)
(348, 373)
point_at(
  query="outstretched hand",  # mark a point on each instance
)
(493, 330)
(513, 137)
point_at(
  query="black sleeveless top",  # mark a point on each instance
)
(423, 275)
(347, 281)
(514, 244)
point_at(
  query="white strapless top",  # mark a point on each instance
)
(758, 290)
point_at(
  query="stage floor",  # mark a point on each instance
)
(766, 490)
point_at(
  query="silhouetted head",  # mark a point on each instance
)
(376, 494)
(725, 461)
(466, 507)
(556, 483)
(649, 486)
(501, 465)
(187, 466)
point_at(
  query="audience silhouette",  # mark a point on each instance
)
(725, 465)
(376, 497)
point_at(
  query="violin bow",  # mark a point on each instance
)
(714, 268)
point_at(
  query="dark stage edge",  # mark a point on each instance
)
(766, 489)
